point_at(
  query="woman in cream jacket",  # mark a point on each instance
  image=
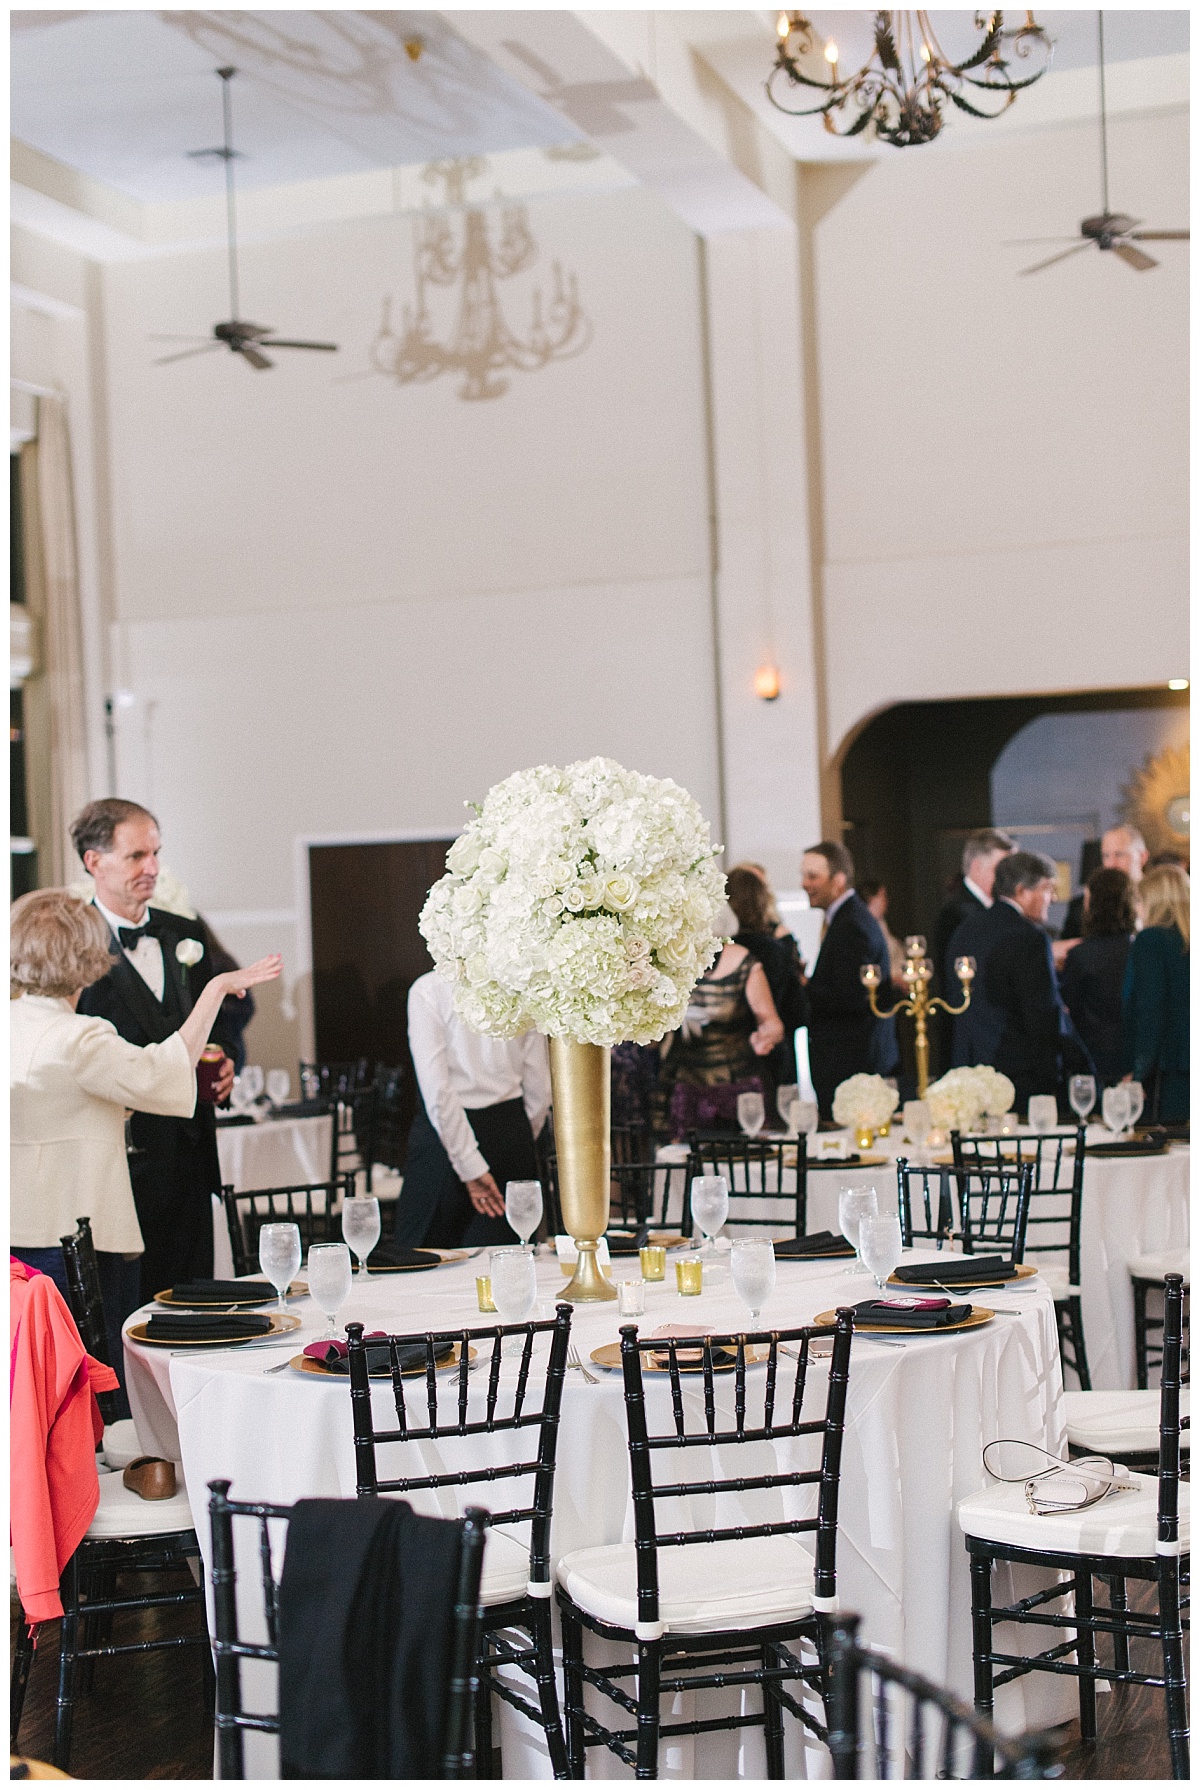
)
(70, 1080)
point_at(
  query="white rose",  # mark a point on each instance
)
(463, 856)
(620, 893)
(592, 890)
(572, 898)
(676, 953)
(188, 952)
(492, 863)
(467, 900)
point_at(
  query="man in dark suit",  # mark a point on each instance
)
(972, 896)
(147, 995)
(844, 1037)
(1016, 1021)
(1121, 848)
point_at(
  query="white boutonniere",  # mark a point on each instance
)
(188, 952)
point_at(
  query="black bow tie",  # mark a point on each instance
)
(132, 936)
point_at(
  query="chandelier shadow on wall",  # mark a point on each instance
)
(480, 344)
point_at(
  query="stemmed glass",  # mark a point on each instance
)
(279, 1255)
(805, 1117)
(786, 1098)
(1114, 1104)
(881, 1245)
(330, 1277)
(918, 1123)
(752, 1263)
(361, 1227)
(279, 1086)
(1137, 1100)
(752, 1113)
(252, 1081)
(710, 1206)
(514, 1289)
(1083, 1096)
(1043, 1112)
(523, 1207)
(854, 1205)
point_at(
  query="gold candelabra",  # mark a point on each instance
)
(916, 975)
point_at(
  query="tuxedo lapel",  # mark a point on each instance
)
(175, 981)
(150, 1014)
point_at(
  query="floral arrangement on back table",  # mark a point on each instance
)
(864, 1100)
(579, 903)
(960, 1099)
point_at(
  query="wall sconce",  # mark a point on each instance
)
(766, 682)
(413, 47)
(1177, 683)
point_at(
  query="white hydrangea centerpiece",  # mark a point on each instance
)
(959, 1101)
(864, 1101)
(579, 903)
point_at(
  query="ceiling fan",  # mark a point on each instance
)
(1109, 229)
(240, 337)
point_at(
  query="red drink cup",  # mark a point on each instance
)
(208, 1073)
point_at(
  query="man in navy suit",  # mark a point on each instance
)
(1016, 1020)
(844, 1037)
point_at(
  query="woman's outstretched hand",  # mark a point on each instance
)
(238, 981)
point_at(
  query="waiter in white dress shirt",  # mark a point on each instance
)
(484, 1100)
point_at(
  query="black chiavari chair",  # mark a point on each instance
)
(1131, 1534)
(390, 1138)
(314, 1206)
(644, 1192)
(1148, 1279)
(84, 1297)
(912, 1729)
(984, 1209)
(735, 1603)
(632, 1143)
(233, 1720)
(767, 1172)
(436, 1415)
(1055, 1219)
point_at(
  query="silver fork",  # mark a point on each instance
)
(574, 1361)
(1004, 1311)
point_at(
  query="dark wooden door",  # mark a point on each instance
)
(367, 952)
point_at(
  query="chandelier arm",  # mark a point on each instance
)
(992, 37)
(906, 1007)
(974, 111)
(937, 1001)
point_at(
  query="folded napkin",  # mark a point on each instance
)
(688, 1357)
(222, 1292)
(302, 1109)
(201, 1326)
(970, 1270)
(386, 1255)
(627, 1242)
(885, 1311)
(821, 1243)
(334, 1354)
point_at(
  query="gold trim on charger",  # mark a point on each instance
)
(308, 1364)
(297, 1290)
(281, 1323)
(979, 1315)
(1023, 1272)
(609, 1355)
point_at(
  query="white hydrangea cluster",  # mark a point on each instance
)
(864, 1100)
(579, 903)
(960, 1099)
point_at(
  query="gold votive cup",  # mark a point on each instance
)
(864, 1137)
(885, 1128)
(653, 1258)
(689, 1276)
(483, 1292)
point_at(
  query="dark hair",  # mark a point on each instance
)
(836, 856)
(983, 844)
(1022, 870)
(1110, 912)
(93, 828)
(751, 900)
(870, 886)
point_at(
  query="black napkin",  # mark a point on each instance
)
(199, 1326)
(627, 1242)
(691, 1358)
(386, 1255)
(228, 1119)
(969, 1269)
(821, 1243)
(301, 1109)
(336, 1359)
(221, 1292)
(1130, 1146)
(878, 1311)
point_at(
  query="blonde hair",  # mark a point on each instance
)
(56, 944)
(1165, 896)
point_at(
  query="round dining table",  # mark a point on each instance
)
(920, 1410)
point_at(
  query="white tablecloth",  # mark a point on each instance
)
(918, 1416)
(271, 1153)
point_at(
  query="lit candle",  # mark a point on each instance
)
(870, 975)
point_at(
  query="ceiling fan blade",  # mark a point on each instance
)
(1134, 257)
(1160, 236)
(277, 342)
(1020, 242)
(257, 360)
(187, 353)
(191, 338)
(1050, 263)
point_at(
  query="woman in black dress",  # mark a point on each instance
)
(1094, 972)
(766, 938)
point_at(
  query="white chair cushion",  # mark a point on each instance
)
(1125, 1524)
(1118, 1422)
(505, 1569)
(701, 1589)
(1167, 1261)
(1058, 1280)
(121, 1445)
(122, 1514)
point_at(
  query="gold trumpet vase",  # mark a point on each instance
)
(580, 1079)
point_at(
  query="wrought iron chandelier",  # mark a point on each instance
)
(481, 344)
(902, 89)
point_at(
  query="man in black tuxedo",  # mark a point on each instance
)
(147, 995)
(972, 896)
(1121, 848)
(844, 1037)
(1016, 1020)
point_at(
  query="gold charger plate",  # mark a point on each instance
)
(281, 1323)
(447, 1255)
(854, 1160)
(308, 1364)
(297, 1290)
(609, 1355)
(979, 1315)
(1023, 1272)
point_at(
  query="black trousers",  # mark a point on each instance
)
(173, 1195)
(434, 1206)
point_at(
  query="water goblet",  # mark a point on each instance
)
(523, 1207)
(279, 1086)
(881, 1245)
(1137, 1100)
(238, 1096)
(786, 1097)
(1043, 1112)
(1083, 1096)
(1114, 1104)
(253, 1081)
(806, 1116)
(361, 1227)
(752, 1264)
(330, 1277)
(710, 1208)
(918, 1123)
(855, 1204)
(752, 1113)
(279, 1255)
(514, 1289)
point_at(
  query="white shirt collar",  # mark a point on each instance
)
(833, 907)
(977, 892)
(116, 921)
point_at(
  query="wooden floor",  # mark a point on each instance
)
(146, 1716)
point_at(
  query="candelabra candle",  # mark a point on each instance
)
(917, 975)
